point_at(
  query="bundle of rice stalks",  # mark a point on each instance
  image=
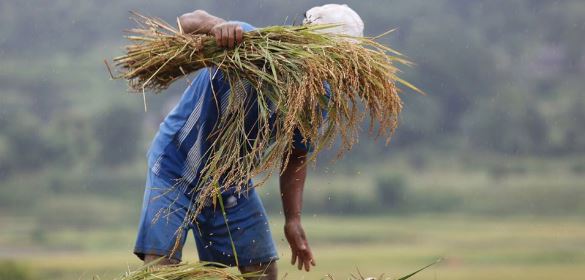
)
(287, 68)
(215, 271)
(196, 271)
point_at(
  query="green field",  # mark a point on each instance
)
(497, 219)
(471, 248)
(486, 171)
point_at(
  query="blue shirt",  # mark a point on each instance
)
(178, 152)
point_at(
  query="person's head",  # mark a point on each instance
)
(350, 22)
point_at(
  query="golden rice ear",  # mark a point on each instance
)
(199, 270)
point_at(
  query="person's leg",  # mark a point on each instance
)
(249, 230)
(268, 271)
(162, 229)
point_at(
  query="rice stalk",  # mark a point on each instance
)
(286, 68)
(185, 271)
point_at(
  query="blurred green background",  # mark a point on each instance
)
(487, 171)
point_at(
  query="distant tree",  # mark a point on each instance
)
(509, 123)
(10, 270)
(118, 131)
(391, 191)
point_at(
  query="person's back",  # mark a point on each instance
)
(180, 148)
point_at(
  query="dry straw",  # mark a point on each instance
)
(195, 271)
(215, 271)
(286, 67)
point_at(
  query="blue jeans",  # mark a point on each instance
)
(163, 227)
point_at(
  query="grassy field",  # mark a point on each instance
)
(471, 248)
(515, 219)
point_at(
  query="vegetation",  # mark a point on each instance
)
(494, 152)
(10, 270)
(503, 97)
(184, 271)
(490, 87)
(472, 248)
(214, 271)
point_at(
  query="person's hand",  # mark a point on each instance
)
(227, 34)
(198, 22)
(301, 253)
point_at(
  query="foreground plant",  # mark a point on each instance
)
(287, 67)
(185, 271)
(215, 271)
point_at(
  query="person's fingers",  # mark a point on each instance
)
(310, 257)
(231, 37)
(224, 36)
(300, 260)
(302, 254)
(309, 252)
(307, 265)
(221, 35)
(239, 34)
(217, 33)
(294, 257)
(307, 258)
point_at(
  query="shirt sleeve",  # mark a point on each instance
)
(300, 144)
(246, 26)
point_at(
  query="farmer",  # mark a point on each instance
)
(178, 153)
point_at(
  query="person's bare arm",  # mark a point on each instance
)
(227, 34)
(292, 182)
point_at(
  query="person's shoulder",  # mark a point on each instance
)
(202, 78)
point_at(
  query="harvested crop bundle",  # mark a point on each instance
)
(215, 271)
(287, 67)
(196, 271)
